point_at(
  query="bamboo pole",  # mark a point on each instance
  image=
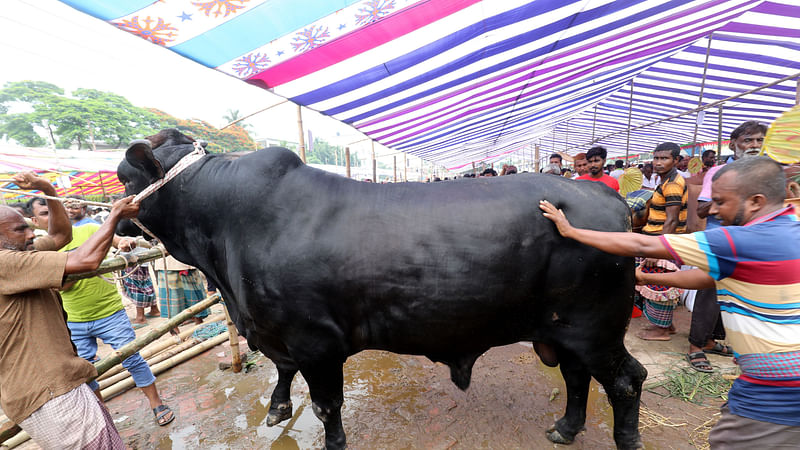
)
(719, 133)
(15, 441)
(374, 164)
(302, 142)
(253, 114)
(157, 369)
(158, 347)
(347, 161)
(129, 349)
(172, 351)
(536, 157)
(9, 430)
(405, 167)
(702, 89)
(236, 357)
(119, 262)
(630, 112)
(395, 168)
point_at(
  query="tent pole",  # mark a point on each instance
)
(421, 168)
(630, 111)
(395, 168)
(347, 161)
(374, 164)
(300, 134)
(536, 157)
(405, 166)
(102, 187)
(702, 89)
(594, 120)
(708, 106)
(719, 133)
(797, 93)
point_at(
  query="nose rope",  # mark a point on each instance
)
(191, 158)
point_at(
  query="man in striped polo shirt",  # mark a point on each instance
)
(753, 260)
(667, 214)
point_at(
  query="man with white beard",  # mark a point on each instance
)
(706, 326)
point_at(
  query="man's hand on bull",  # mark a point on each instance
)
(125, 208)
(557, 216)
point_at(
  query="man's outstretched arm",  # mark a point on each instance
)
(686, 279)
(616, 243)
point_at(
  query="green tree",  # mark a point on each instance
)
(87, 116)
(324, 153)
(231, 139)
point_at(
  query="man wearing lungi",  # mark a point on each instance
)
(753, 261)
(42, 378)
(667, 215)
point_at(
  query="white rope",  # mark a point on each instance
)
(198, 153)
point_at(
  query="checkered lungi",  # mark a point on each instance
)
(178, 290)
(75, 420)
(659, 301)
(138, 287)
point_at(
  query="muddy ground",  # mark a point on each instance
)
(407, 402)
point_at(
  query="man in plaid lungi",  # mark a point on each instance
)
(180, 286)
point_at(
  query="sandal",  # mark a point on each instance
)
(720, 349)
(137, 326)
(161, 412)
(699, 362)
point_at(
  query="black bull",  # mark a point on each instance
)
(315, 267)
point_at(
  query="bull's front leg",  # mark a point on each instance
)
(576, 377)
(280, 407)
(325, 382)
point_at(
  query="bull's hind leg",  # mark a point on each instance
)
(622, 376)
(577, 378)
(325, 384)
(280, 406)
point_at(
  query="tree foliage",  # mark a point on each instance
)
(321, 152)
(87, 116)
(231, 139)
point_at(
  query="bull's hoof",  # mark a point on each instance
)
(279, 413)
(555, 436)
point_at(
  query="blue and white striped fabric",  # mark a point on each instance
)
(460, 81)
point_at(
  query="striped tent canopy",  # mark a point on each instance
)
(461, 81)
(73, 172)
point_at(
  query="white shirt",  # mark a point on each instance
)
(651, 183)
(616, 173)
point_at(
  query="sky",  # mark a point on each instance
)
(45, 40)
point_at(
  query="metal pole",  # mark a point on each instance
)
(628, 140)
(702, 89)
(302, 140)
(347, 160)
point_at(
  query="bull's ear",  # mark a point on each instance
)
(140, 155)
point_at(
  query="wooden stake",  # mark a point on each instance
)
(236, 357)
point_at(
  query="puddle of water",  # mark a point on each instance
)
(180, 439)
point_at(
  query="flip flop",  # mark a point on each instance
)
(720, 349)
(160, 412)
(136, 326)
(699, 362)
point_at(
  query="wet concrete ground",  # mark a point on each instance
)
(403, 402)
